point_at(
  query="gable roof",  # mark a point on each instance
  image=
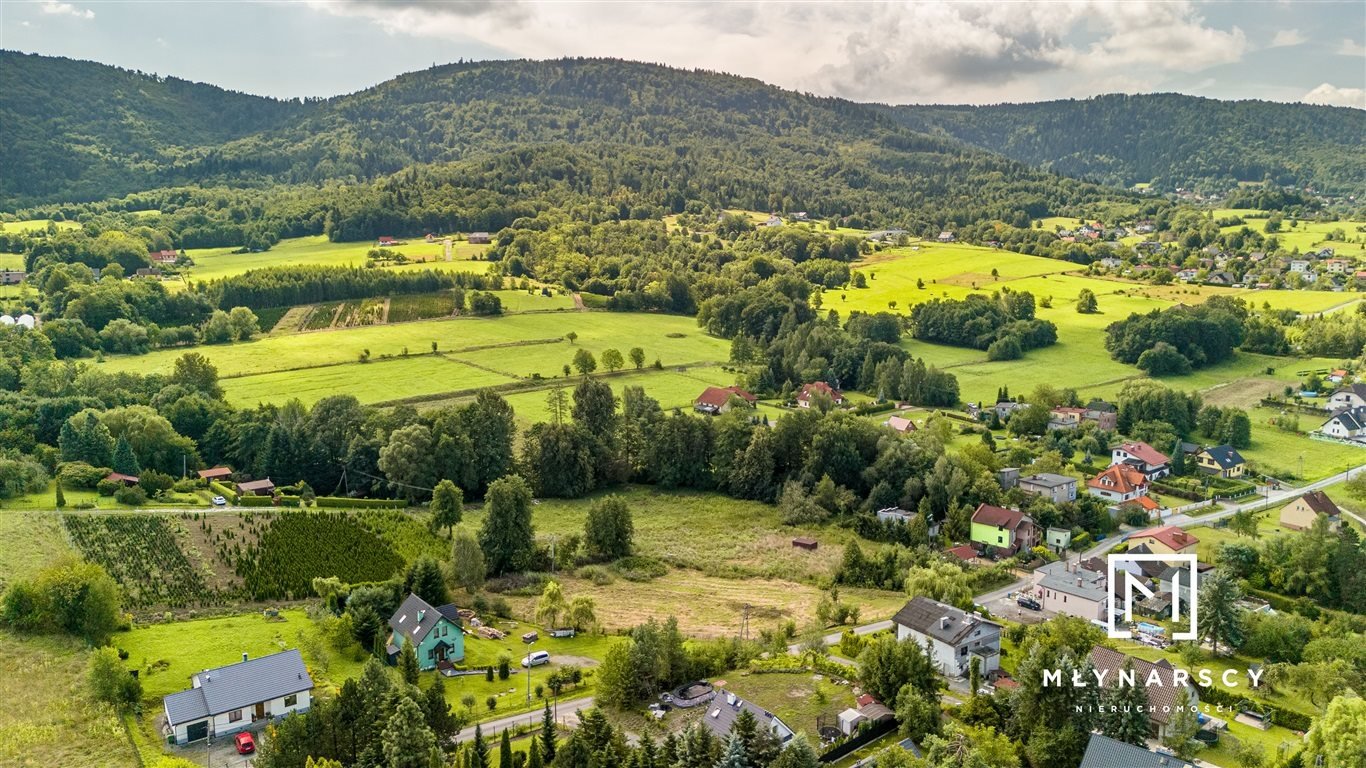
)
(1162, 698)
(239, 685)
(808, 390)
(1105, 752)
(1145, 453)
(1143, 502)
(987, 514)
(900, 423)
(926, 617)
(1226, 456)
(1321, 504)
(256, 485)
(212, 472)
(1352, 419)
(1170, 535)
(963, 552)
(1120, 478)
(719, 396)
(415, 618)
(724, 707)
(1357, 389)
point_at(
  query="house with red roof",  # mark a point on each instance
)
(1164, 540)
(1006, 531)
(1151, 462)
(163, 257)
(385, 241)
(810, 391)
(1119, 483)
(718, 400)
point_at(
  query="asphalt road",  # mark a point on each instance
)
(566, 714)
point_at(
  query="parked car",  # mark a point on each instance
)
(1028, 602)
(219, 501)
(530, 637)
(536, 659)
(245, 743)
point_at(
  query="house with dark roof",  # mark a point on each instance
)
(717, 400)
(1221, 460)
(478, 238)
(229, 699)
(1105, 752)
(1352, 396)
(952, 636)
(1165, 695)
(810, 391)
(256, 487)
(1006, 531)
(725, 707)
(1064, 587)
(1346, 424)
(1143, 457)
(1104, 415)
(1302, 512)
(1057, 488)
(434, 633)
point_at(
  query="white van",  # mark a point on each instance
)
(536, 659)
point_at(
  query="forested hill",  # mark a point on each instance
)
(1169, 140)
(77, 130)
(642, 134)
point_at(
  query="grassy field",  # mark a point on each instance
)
(212, 263)
(1280, 453)
(32, 539)
(798, 699)
(673, 388)
(28, 225)
(376, 381)
(1303, 235)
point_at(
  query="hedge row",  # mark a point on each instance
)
(1289, 718)
(224, 491)
(787, 663)
(343, 502)
(256, 501)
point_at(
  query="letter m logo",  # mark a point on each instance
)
(1183, 587)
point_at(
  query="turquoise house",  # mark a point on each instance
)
(434, 632)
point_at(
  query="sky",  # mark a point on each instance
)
(888, 51)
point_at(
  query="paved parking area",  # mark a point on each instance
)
(1006, 607)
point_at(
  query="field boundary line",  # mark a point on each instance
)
(378, 360)
(527, 384)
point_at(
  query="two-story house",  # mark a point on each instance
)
(1143, 457)
(1119, 483)
(1352, 396)
(1347, 424)
(1221, 460)
(951, 636)
(1064, 587)
(1056, 488)
(1006, 531)
(434, 632)
(223, 701)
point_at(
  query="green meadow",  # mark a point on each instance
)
(213, 263)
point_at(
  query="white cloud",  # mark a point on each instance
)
(1336, 97)
(1286, 38)
(1351, 47)
(66, 9)
(894, 51)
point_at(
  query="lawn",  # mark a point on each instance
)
(1236, 662)
(1222, 753)
(47, 500)
(28, 225)
(798, 699)
(377, 381)
(32, 539)
(1282, 454)
(51, 720)
(675, 340)
(213, 263)
(1211, 538)
(673, 388)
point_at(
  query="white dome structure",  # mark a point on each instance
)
(6, 320)
(26, 320)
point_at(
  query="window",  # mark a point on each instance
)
(291, 700)
(234, 715)
(431, 653)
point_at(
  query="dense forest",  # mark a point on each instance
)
(1169, 140)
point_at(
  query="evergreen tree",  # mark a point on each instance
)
(424, 579)
(125, 461)
(443, 722)
(735, 755)
(505, 751)
(760, 746)
(1178, 459)
(798, 754)
(479, 751)
(533, 755)
(1221, 620)
(407, 663)
(407, 741)
(1124, 711)
(84, 437)
(447, 506)
(61, 499)
(548, 734)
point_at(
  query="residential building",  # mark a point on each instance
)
(385, 241)
(1058, 539)
(1105, 752)
(1153, 463)
(1174, 581)
(1004, 530)
(1164, 540)
(163, 257)
(219, 472)
(1065, 588)
(1302, 512)
(1006, 407)
(1008, 477)
(434, 633)
(1104, 415)
(1119, 483)
(951, 636)
(1065, 417)
(11, 276)
(900, 424)
(1163, 700)
(1352, 396)
(479, 238)
(223, 701)
(809, 392)
(1338, 266)
(1058, 488)
(1299, 265)
(257, 488)
(1221, 460)
(725, 707)
(946, 237)
(716, 400)
(1347, 424)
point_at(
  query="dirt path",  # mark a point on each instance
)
(578, 302)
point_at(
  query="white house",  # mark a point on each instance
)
(1151, 462)
(1347, 424)
(1066, 588)
(952, 637)
(1119, 483)
(234, 698)
(1348, 397)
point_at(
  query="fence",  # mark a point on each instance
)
(864, 738)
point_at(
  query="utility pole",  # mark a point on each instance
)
(744, 622)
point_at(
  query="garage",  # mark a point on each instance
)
(197, 731)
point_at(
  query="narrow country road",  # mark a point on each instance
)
(566, 713)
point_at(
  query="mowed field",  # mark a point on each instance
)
(474, 352)
(212, 263)
(1304, 235)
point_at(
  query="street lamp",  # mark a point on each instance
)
(529, 641)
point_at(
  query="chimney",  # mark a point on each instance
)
(944, 622)
(244, 655)
(1079, 581)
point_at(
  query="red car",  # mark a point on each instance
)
(245, 743)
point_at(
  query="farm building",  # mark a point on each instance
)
(256, 488)
(716, 400)
(229, 699)
(434, 633)
(1302, 512)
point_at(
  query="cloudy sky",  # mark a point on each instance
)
(898, 52)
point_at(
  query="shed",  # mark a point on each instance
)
(804, 542)
(849, 721)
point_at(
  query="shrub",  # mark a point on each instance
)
(224, 491)
(256, 501)
(341, 502)
(640, 568)
(132, 496)
(78, 474)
